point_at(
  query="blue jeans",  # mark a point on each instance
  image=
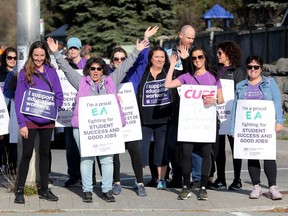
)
(196, 165)
(86, 166)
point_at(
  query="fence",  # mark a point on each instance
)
(269, 43)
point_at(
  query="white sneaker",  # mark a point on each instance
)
(256, 192)
(274, 193)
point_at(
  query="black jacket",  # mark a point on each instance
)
(232, 73)
(152, 115)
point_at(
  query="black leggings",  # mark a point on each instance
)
(186, 161)
(270, 169)
(134, 152)
(27, 151)
(220, 158)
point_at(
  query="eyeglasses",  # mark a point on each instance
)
(95, 68)
(11, 57)
(117, 59)
(256, 67)
(219, 53)
(200, 57)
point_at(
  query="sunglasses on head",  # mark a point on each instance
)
(11, 57)
(256, 67)
(200, 57)
(95, 68)
(117, 59)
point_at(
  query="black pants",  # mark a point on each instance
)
(186, 161)
(134, 152)
(172, 143)
(44, 148)
(270, 169)
(72, 154)
(220, 158)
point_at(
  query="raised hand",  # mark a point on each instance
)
(173, 60)
(183, 52)
(142, 45)
(150, 31)
(52, 45)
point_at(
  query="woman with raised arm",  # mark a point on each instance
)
(199, 75)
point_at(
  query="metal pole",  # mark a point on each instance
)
(285, 42)
(28, 27)
(28, 31)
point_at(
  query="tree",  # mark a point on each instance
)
(52, 13)
(264, 12)
(190, 12)
(105, 23)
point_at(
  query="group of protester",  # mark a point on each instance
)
(184, 64)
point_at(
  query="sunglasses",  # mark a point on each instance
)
(95, 68)
(117, 59)
(200, 57)
(219, 53)
(11, 57)
(256, 67)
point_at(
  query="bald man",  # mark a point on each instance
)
(186, 38)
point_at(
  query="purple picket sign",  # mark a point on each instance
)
(39, 103)
(155, 94)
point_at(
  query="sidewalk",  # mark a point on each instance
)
(157, 202)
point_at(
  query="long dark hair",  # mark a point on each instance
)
(3, 67)
(5, 54)
(96, 60)
(207, 62)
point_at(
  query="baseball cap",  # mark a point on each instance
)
(74, 42)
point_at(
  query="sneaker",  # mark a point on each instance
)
(116, 189)
(141, 192)
(48, 195)
(19, 196)
(202, 194)
(185, 193)
(274, 193)
(209, 183)
(152, 183)
(70, 182)
(256, 192)
(161, 185)
(87, 197)
(218, 185)
(108, 197)
(236, 185)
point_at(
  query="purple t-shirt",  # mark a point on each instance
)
(223, 71)
(253, 92)
(204, 79)
(81, 64)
